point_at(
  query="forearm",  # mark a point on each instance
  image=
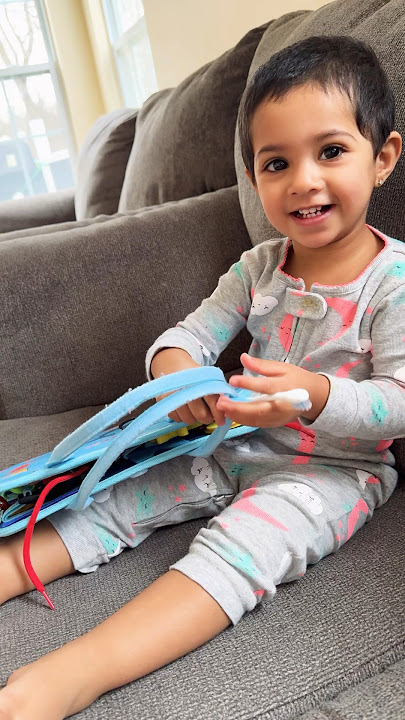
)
(318, 388)
(171, 360)
(165, 621)
(370, 409)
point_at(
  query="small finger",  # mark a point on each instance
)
(175, 416)
(262, 366)
(201, 411)
(258, 384)
(186, 415)
(218, 415)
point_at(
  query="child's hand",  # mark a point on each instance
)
(203, 410)
(274, 377)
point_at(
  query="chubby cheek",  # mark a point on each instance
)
(272, 206)
(353, 189)
(355, 197)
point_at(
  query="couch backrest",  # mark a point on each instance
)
(184, 136)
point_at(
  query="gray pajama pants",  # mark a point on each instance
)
(272, 512)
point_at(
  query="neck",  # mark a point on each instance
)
(337, 263)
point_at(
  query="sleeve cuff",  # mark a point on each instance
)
(174, 338)
(340, 412)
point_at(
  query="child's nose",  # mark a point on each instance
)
(307, 177)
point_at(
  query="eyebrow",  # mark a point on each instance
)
(321, 136)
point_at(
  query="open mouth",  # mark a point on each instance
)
(311, 212)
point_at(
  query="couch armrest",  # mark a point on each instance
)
(38, 210)
(80, 307)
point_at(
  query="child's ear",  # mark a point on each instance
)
(253, 183)
(388, 156)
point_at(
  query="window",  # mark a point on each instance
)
(34, 133)
(128, 35)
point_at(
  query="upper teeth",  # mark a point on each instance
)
(310, 210)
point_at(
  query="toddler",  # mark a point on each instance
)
(324, 307)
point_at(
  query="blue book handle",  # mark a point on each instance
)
(185, 386)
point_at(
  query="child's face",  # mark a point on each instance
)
(309, 153)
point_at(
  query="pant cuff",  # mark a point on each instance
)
(226, 585)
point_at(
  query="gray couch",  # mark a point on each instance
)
(87, 281)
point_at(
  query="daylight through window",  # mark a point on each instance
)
(34, 135)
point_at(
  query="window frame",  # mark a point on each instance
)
(50, 67)
(123, 41)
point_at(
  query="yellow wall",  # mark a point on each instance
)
(76, 64)
(103, 56)
(186, 34)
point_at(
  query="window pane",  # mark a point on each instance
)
(137, 73)
(21, 40)
(33, 153)
(126, 13)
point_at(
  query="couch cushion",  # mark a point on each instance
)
(29, 212)
(184, 137)
(102, 163)
(25, 438)
(381, 697)
(378, 22)
(78, 333)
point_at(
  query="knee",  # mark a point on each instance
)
(228, 570)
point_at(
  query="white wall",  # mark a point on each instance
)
(186, 34)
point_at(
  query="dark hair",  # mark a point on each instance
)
(338, 61)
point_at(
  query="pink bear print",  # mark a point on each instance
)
(383, 445)
(359, 507)
(246, 505)
(347, 311)
(344, 370)
(307, 444)
(366, 478)
(284, 332)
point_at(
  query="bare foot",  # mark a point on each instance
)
(44, 690)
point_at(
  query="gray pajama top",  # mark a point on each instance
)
(353, 333)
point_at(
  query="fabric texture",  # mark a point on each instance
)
(340, 626)
(300, 512)
(351, 333)
(36, 211)
(382, 25)
(25, 438)
(78, 335)
(184, 136)
(378, 698)
(102, 163)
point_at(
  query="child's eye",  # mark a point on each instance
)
(276, 165)
(332, 151)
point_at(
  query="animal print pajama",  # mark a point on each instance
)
(280, 499)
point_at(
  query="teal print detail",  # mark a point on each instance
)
(378, 406)
(235, 468)
(109, 544)
(238, 269)
(397, 269)
(145, 503)
(239, 560)
(400, 299)
(331, 468)
(221, 332)
(347, 507)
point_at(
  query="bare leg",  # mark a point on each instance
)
(170, 618)
(49, 556)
